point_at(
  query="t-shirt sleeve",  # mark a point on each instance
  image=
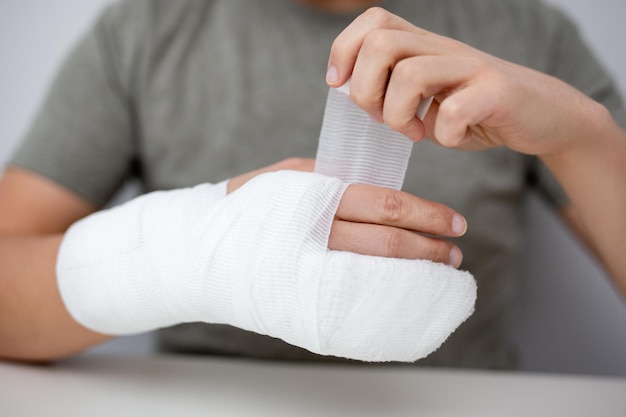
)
(571, 60)
(83, 135)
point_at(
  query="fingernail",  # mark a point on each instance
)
(459, 225)
(456, 257)
(332, 76)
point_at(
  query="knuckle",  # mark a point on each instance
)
(398, 123)
(393, 208)
(378, 16)
(406, 69)
(376, 41)
(392, 242)
(437, 215)
(451, 110)
(439, 251)
(357, 93)
(367, 101)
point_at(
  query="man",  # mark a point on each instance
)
(197, 92)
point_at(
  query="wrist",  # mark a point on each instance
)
(110, 266)
(590, 132)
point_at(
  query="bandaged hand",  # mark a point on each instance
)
(383, 222)
(258, 259)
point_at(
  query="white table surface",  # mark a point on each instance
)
(198, 386)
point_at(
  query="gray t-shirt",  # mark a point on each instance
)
(183, 92)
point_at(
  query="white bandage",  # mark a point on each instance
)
(256, 259)
(412, 305)
(252, 259)
(355, 149)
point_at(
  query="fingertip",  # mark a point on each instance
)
(456, 257)
(332, 76)
(459, 225)
(416, 139)
(417, 131)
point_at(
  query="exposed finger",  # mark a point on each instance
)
(381, 50)
(391, 242)
(416, 78)
(369, 204)
(296, 164)
(345, 48)
(459, 111)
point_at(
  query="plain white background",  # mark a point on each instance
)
(569, 318)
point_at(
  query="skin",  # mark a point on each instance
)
(339, 6)
(483, 102)
(35, 212)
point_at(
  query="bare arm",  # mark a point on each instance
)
(34, 324)
(593, 174)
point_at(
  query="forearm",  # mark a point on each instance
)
(34, 323)
(593, 173)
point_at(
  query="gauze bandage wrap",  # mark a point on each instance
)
(252, 259)
(256, 259)
(413, 305)
(356, 150)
